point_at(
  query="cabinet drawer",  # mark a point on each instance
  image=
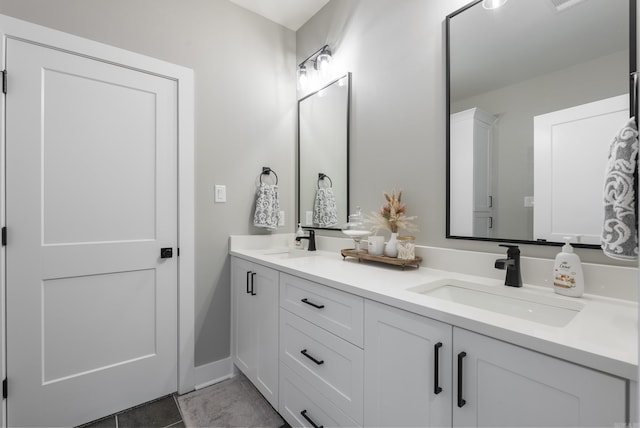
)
(299, 399)
(331, 365)
(334, 310)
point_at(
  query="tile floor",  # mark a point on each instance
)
(161, 413)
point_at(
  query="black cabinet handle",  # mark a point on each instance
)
(304, 415)
(311, 303)
(461, 401)
(248, 289)
(253, 274)
(306, 354)
(436, 370)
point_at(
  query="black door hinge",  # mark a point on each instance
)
(178, 251)
(4, 81)
(4, 236)
(5, 388)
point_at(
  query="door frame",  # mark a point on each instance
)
(11, 28)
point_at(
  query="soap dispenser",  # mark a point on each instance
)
(298, 244)
(568, 279)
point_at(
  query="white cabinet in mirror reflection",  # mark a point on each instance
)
(471, 204)
(571, 148)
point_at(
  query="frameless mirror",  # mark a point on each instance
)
(323, 156)
(536, 91)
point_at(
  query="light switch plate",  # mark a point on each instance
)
(309, 218)
(281, 218)
(220, 193)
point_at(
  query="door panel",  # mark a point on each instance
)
(102, 339)
(91, 199)
(88, 181)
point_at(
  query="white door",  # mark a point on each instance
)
(90, 201)
(571, 147)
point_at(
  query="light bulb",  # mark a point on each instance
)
(493, 4)
(302, 77)
(323, 61)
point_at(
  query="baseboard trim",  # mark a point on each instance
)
(214, 372)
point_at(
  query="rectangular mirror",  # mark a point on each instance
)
(323, 156)
(536, 91)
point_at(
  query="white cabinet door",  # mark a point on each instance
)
(264, 291)
(242, 320)
(403, 354)
(255, 325)
(503, 385)
(471, 186)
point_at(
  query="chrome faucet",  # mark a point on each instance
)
(312, 240)
(512, 265)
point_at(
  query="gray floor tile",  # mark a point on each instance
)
(157, 414)
(109, 422)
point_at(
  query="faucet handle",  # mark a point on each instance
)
(512, 250)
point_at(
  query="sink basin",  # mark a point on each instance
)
(286, 253)
(548, 310)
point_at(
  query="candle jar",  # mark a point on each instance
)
(406, 247)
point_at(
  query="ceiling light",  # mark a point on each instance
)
(493, 4)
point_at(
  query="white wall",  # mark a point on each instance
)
(245, 115)
(396, 51)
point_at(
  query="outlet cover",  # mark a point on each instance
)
(281, 218)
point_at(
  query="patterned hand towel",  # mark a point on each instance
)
(267, 211)
(619, 233)
(325, 213)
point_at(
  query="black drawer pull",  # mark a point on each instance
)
(306, 354)
(304, 415)
(437, 389)
(253, 274)
(248, 275)
(461, 401)
(312, 304)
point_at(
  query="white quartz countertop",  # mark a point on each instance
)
(603, 335)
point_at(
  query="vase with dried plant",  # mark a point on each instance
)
(392, 217)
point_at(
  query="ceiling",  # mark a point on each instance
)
(529, 38)
(288, 13)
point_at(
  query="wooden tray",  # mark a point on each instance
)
(364, 255)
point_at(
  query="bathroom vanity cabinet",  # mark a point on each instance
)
(321, 336)
(254, 301)
(485, 381)
(340, 359)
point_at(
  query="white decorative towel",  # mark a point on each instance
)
(325, 213)
(619, 233)
(267, 212)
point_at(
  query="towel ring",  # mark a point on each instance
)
(267, 171)
(321, 177)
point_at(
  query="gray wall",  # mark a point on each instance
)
(395, 50)
(245, 111)
(245, 103)
(512, 181)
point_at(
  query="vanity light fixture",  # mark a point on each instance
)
(321, 60)
(493, 4)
